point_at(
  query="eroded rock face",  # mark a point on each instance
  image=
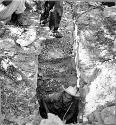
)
(96, 32)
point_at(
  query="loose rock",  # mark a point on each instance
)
(52, 120)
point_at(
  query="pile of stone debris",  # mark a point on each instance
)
(104, 114)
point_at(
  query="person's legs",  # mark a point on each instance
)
(54, 22)
(48, 5)
(58, 14)
(55, 18)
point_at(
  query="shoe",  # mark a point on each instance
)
(56, 34)
(43, 22)
(44, 19)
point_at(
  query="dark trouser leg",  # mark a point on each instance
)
(52, 21)
(42, 109)
(47, 7)
(57, 21)
(55, 16)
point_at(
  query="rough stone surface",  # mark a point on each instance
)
(94, 26)
(110, 120)
(107, 112)
(52, 120)
(56, 66)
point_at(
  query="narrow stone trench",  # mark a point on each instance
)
(50, 58)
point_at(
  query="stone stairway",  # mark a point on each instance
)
(56, 66)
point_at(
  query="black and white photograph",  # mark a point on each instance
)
(57, 62)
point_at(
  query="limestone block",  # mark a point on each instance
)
(52, 120)
(107, 112)
(110, 120)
